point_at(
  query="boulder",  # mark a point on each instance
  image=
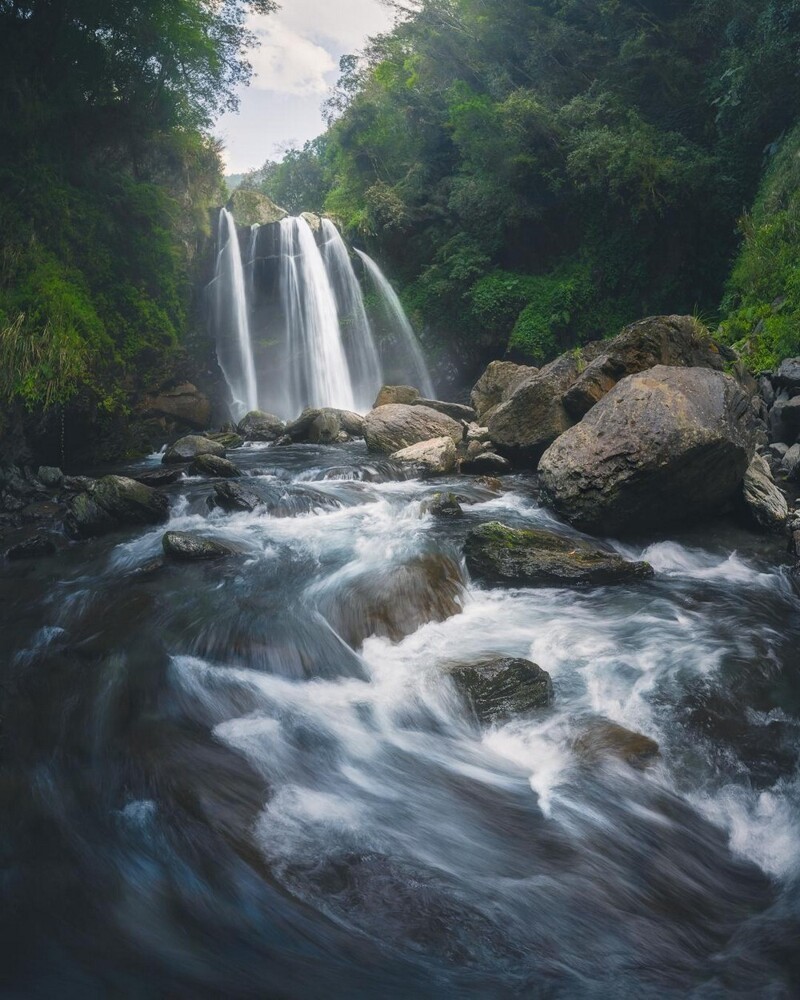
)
(784, 420)
(213, 465)
(444, 505)
(487, 463)
(183, 403)
(765, 502)
(34, 547)
(602, 739)
(113, 502)
(232, 497)
(183, 545)
(396, 600)
(228, 439)
(790, 463)
(158, 477)
(395, 426)
(437, 457)
(496, 385)
(325, 425)
(396, 394)
(455, 410)
(533, 416)
(535, 557)
(679, 341)
(186, 449)
(503, 686)
(663, 446)
(788, 375)
(252, 208)
(257, 425)
(50, 476)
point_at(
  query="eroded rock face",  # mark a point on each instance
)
(183, 403)
(436, 457)
(396, 602)
(184, 546)
(496, 385)
(186, 449)
(395, 426)
(113, 502)
(258, 425)
(503, 686)
(763, 499)
(662, 446)
(406, 394)
(534, 557)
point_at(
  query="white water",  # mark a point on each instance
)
(238, 365)
(362, 354)
(406, 338)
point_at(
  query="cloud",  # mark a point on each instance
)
(346, 23)
(288, 63)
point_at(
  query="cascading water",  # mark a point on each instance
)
(320, 373)
(362, 354)
(314, 344)
(235, 353)
(407, 343)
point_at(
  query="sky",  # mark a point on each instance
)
(295, 67)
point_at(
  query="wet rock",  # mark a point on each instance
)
(396, 601)
(765, 502)
(603, 739)
(444, 505)
(455, 410)
(257, 425)
(183, 545)
(113, 502)
(283, 441)
(325, 425)
(502, 687)
(183, 403)
(496, 385)
(396, 394)
(231, 497)
(534, 415)
(229, 440)
(487, 463)
(35, 547)
(395, 426)
(663, 446)
(213, 465)
(45, 510)
(186, 449)
(437, 457)
(498, 554)
(158, 477)
(50, 476)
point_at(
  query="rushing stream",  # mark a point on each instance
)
(215, 795)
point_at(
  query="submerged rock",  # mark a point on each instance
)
(231, 496)
(436, 457)
(445, 505)
(113, 502)
(213, 465)
(535, 557)
(186, 449)
(257, 425)
(662, 446)
(503, 686)
(602, 739)
(395, 426)
(185, 546)
(396, 394)
(765, 502)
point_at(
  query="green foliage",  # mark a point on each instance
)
(763, 294)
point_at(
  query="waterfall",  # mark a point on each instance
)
(401, 328)
(235, 353)
(362, 354)
(319, 367)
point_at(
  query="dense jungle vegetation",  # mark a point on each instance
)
(540, 172)
(107, 170)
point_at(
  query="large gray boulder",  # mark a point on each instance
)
(395, 426)
(538, 558)
(503, 686)
(187, 449)
(325, 425)
(114, 502)
(436, 457)
(765, 502)
(258, 425)
(662, 446)
(496, 385)
(396, 394)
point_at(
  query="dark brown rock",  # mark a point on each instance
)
(503, 686)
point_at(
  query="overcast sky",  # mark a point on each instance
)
(296, 65)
